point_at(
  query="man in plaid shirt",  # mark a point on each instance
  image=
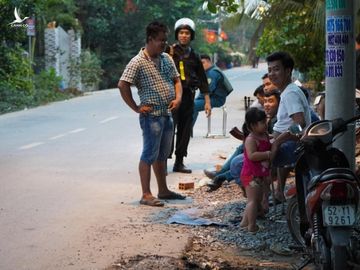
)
(154, 74)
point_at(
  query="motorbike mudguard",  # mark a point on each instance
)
(339, 236)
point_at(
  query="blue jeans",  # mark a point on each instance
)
(157, 134)
(285, 155)
(236, 167)
(225, 169)
(199, 104)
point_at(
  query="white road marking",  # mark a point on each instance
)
(58, 136)
(31, 145)
(108, 119)
(65, 134)
(77, 130)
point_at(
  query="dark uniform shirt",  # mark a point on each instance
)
(192, 74)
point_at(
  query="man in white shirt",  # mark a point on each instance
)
(293, 109)
(259, 101)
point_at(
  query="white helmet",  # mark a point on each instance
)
(187, 24)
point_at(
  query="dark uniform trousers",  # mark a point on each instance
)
(183, 118)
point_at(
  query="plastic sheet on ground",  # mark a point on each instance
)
(191, 217)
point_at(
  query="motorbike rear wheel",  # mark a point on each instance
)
(293, 221)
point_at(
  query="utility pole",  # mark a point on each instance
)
(31, 33)
(340, 69)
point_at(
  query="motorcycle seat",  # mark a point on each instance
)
(331, 174)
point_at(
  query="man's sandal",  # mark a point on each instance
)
(153, 201)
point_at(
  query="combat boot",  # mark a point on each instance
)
(180, 167)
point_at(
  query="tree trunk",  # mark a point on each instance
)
(253, 42)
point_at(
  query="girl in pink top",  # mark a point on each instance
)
(255, 171)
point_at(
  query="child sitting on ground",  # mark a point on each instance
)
(255, 171)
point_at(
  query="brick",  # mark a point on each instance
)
(185, 186)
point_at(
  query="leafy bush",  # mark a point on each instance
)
(16, 88)
(20, 88)
(46, 86)
(89, 68)
(15, 68)
(12, 99)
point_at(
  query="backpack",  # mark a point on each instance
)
(227, 85)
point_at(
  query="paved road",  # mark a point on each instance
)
(70, 164)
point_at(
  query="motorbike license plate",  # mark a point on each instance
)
(338, 215)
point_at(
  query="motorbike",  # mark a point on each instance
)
(323, 206)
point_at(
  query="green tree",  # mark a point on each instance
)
(19, 86)
(291, 33)
(116, 32)
(112, 31)
(296, 26)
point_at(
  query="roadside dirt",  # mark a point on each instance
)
(205, 247)
(174, 246)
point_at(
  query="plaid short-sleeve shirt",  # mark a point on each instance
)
(155, 84)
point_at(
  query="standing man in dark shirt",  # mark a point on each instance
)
(192, 76)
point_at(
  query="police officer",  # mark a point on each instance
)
(192, 77)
